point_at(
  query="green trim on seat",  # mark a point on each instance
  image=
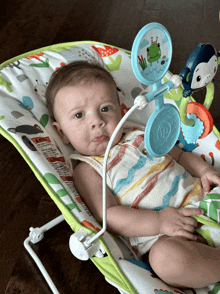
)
(54, 48)
(114, 273)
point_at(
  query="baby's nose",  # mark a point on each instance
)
(97, 121)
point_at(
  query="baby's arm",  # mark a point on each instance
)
(197, 167)
(130, 222)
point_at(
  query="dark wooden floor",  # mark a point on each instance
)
(30, 24)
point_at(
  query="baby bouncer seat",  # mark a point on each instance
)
(25, 122)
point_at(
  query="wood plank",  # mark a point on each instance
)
(69, 274)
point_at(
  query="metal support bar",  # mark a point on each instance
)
(36, 235)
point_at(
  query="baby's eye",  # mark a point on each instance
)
(79, 115)
(106, 109)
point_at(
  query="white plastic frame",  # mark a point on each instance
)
(35, 236)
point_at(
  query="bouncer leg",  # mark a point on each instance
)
(36, 235)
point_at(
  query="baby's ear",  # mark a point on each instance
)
(59, 131)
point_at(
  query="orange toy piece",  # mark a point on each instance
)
(203, 114)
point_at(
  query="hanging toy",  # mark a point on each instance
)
(199, 71)
(150, 58)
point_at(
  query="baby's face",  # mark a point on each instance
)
(87, 115)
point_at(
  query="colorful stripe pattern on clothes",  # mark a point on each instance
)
(139, 182)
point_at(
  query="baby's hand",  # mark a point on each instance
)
(210, 176)
(178, 222)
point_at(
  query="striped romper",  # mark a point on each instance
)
(138, 181)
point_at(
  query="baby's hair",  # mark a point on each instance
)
(75, 73)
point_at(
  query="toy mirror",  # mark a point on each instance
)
(151, 53)
(151, 57)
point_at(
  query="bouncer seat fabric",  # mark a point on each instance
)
(26, 123)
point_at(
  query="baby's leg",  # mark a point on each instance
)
(183, 263)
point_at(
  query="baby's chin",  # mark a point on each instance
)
(92, 152)
(98, 152)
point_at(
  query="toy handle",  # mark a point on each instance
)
(183, 112)
(174, 83)
(184, 103)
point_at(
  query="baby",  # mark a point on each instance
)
(84, 101)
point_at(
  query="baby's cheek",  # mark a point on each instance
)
(81, 139)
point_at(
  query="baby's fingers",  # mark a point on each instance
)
(191, 211)
(216, 179)
(206, 184)
(187, 235)
(190, 221)
(189, 228)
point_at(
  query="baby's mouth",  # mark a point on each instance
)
(100, 139)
